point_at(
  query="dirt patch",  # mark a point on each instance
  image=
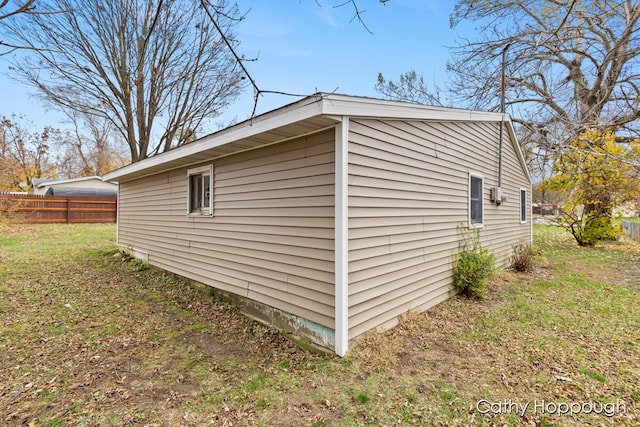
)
(299, 412)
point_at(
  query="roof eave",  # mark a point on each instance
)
(302, 110)
(344, 105)
(315, 111)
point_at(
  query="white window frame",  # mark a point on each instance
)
(481, 178)
(523, 206)
(206, 172)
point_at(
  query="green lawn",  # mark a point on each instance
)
(87, 339)
(632, 219)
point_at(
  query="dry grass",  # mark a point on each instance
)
(87, 340)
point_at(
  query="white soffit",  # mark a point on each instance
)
(308, 115)
(278, 125)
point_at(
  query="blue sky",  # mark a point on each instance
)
(303, 47)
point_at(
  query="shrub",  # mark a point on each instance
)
(523, 257)
(600, 228)
(473, 267)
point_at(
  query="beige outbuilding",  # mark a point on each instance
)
(332, 215)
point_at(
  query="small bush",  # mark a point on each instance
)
(473, 267)
(523, 257)
(600, 228)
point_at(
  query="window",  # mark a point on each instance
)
(200, 194)
(523, 205)
(476, 205)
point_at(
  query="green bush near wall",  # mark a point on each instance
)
(474, 265)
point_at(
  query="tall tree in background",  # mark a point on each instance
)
(90, 148)
(571, 66)
(154, 69)
(25, 155)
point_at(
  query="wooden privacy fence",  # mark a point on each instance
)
(32, 208)
(632, 229)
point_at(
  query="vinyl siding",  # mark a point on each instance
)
(271, 235)
(408, 193)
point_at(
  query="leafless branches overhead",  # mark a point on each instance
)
(6, 10)
(155, 69)
(570, 66)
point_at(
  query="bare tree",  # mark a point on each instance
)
(568, 68)
(410, 88)
(90, 148)
(155, 69)
(570, 65)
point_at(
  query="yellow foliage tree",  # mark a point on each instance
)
(24, 155)
(596, 173)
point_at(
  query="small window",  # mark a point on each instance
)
(200, 194)
(476, 205)
(523, 205)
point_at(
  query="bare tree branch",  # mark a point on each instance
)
(23, 8)
(410, 88)
(155, 69)
(28, 7)
(357, 13)
(240, 60)
(572, 66)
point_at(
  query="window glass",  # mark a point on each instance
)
(195, 182)
(475, 200)
(200, 190)
(523, 205)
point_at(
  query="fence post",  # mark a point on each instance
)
(68, 210)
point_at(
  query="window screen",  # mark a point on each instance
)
(475, 200)
(200, 184)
